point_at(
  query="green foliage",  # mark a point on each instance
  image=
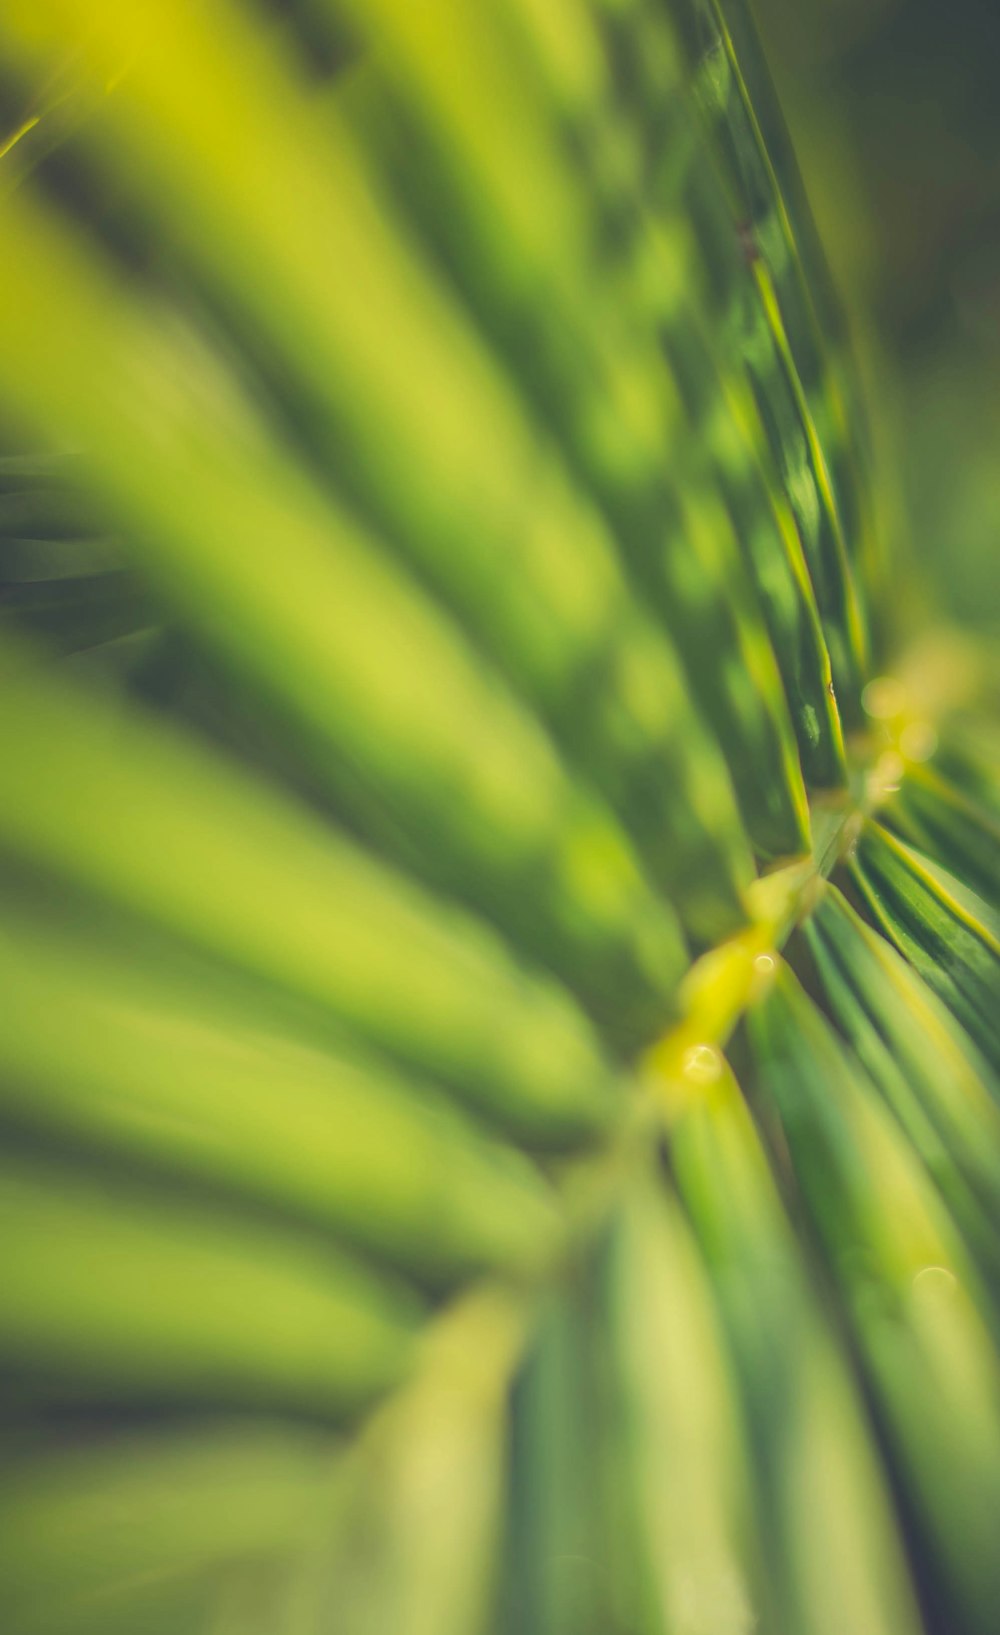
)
(443, 614)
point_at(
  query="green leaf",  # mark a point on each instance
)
(149, 1067)
(561, 1535)
(835, 1556)
(799, 397)
(908, 1290)
(617, 409)
(938, 1085)
(111, 1290)
(957, 830)
(181, 1505)
(467, 498)
(949, 935)
(687, 1533)
(188, 840)
(412, 1542)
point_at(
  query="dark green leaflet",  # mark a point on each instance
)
(765, 526)
(601, 382)
(954, 827)
(42, 513)
(830, 1522)
(937, 1084)
(948, 934)
(691, 273)
(819, 333)
(813, 315)
(559, 1522)
(908, 1289)
(62, 577)
(805, 416)
(83, 611)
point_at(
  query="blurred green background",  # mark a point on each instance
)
(895, 108)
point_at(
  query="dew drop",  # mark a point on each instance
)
(702, 1064)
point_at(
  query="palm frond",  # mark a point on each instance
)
(498, 1076)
